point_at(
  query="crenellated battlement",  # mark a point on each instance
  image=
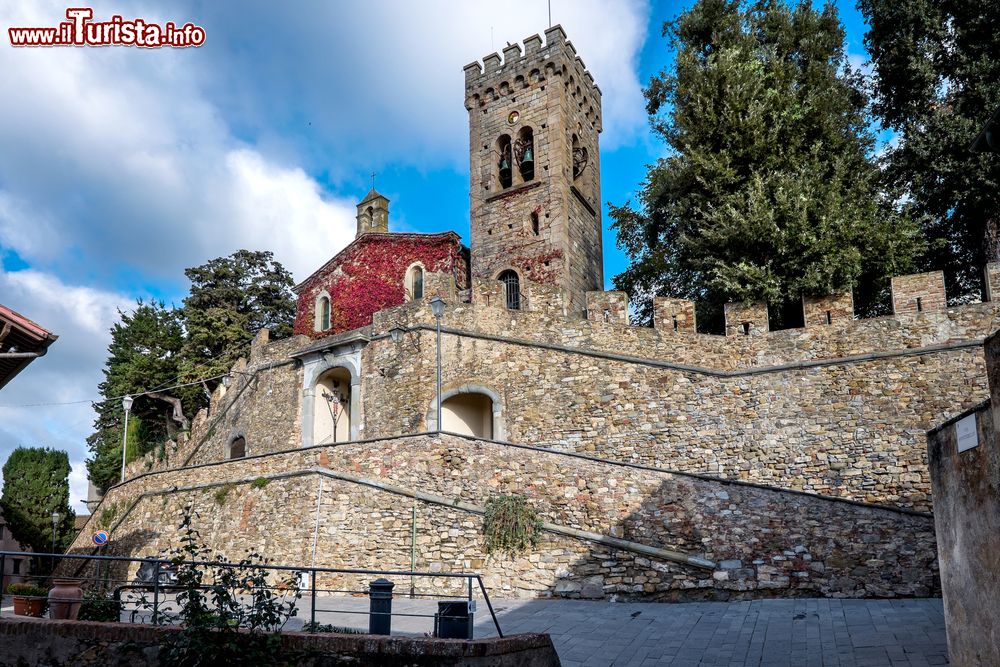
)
(516, 68)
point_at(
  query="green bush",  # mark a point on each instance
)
(229, 613)
(260, 483)
(97, 606)
(511, 526)
(27, 590)
(223, 493)
(312, 626)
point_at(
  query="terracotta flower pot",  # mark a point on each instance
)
(64, 598)
(28, 606)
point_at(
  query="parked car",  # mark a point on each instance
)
(147, 570)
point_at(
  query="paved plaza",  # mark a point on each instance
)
(771, 633)
(793, 633)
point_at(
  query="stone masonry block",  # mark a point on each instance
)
(743, 320)
(918, 293)
(487, 292)
(993, 281)
(821, 310)
(610, 307)
(440, 283)
(673, 315)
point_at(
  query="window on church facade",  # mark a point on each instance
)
(415, 282)
(512, 287)
(322, 313)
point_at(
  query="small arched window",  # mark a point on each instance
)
(512, 287)
(579, 158)
(322, 313)
(415, 282)
(238, 448)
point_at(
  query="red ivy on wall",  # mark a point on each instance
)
(370, 276)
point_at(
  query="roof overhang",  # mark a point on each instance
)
(21, 341)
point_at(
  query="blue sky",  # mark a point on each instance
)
(119, 167)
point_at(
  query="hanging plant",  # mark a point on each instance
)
(510, 526)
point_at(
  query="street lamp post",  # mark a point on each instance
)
(127, 404)
(437, 307)
(55, 521)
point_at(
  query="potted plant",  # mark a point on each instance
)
(29, 599)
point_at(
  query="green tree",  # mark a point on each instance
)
(768, 191)
(936, 83)
(231, 299)
(36, 484)
(143, 361)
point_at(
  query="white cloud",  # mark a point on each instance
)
(70, 371)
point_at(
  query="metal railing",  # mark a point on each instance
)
(145, 590)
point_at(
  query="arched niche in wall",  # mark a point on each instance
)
(469, 409)
(237, 448)
(332, 409)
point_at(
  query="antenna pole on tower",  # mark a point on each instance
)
(550, 13)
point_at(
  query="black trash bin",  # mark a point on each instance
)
(454, 619)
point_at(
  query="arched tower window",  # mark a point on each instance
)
(322, 313)
(505, 171)
(512, 287)
(238, 448)
(524, 151)
(415, 282)
(579, 158)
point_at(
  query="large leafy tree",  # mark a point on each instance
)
(937, 82)
(170, 359)
(231, 299)
(143, 361)
(36, 484)
(768, 190)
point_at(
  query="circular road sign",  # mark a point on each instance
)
(101, 538)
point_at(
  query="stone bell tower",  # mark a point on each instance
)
(534, 125)
(373, 213)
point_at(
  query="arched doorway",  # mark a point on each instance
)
(332, 410)
(468, 414)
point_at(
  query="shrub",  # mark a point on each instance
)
(511, 526)
(260, 483)
(27, 590)
(222, 494)
(97, 606)
(229, 613)
(312, 626)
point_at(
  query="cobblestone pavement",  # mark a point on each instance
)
(761, 633)
(764, 633)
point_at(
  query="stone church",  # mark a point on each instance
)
(666, 464)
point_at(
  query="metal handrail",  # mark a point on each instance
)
(157, 586)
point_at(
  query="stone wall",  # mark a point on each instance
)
(49, 643)
(967, 516)
(762, 541)
(922, 292)
(835, 410)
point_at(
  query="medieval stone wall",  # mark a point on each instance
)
(837, 410)
(763, 542)
(782, 408)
